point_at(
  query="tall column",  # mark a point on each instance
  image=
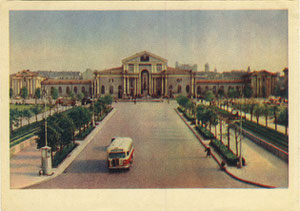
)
(162, 86)
(155, 86)
(134, 87)
(150, 84)
(124, 84)
(128, 91)
(166, 86)
(139, 85)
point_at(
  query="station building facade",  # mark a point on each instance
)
(145, 74)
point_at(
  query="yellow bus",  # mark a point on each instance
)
(120, 153)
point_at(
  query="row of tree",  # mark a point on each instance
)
(61, 127)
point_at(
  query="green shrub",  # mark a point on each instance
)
(180, 109)
(189, 117)
(21, 139)
(85, 133)
(268, 134)
(204, 132)
(61, 155)
(230, 158)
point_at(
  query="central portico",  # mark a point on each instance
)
(143, 70)
(141, 74)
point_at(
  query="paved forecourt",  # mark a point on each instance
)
(167, 154)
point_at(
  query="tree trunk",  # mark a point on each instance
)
(221, 138)
(257, 120)
(266, 121)
(228, 133)
(236, 142)
(275, 123)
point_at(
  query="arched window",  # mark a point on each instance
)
(68, 90)
(187, 89)
(179, 89)
(170, 87)
(83, 89)
(111, 90)
(215, 89)
(103, 89)
(60, 90)
(75, 89)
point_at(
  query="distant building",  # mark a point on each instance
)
(88, 74)
(193, 67)
(64, 87)
(206, 67)
(60, 74)
(263, 83)
(25, 78)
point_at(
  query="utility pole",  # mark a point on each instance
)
(45, 99)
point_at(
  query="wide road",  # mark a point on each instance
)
(167, 154)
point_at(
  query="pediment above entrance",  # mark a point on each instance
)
(144, 57)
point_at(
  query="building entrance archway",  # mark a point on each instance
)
(145, 82)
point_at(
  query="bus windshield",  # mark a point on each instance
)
(117, 155)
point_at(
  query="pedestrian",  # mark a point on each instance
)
(243, 161)
(207, 150)
(223, 165)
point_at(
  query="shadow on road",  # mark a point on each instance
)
(88, 166)
(100, 148)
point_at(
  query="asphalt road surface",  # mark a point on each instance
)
(167, 155)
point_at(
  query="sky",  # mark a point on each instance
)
(77, 40)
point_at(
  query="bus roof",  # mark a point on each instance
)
(120, 144)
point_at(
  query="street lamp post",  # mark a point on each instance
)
(241, 130)
(45, 99)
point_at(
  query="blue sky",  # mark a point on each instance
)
(77, 40)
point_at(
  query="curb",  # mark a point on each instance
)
(219, 163)
(71, 157)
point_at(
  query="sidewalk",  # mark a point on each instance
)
(262, 167)
(25, 166)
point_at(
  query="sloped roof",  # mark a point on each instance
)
(25, 73)
(171, 70)
(219, 81)
(262, 71)
(142, 53)
(65, 82)
(115, 70)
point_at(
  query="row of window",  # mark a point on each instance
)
(131, 67)
(75, 89)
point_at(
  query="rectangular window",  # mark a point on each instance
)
(131, 67)
(159, 67)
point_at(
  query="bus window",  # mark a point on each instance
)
(117, 155)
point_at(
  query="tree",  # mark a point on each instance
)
(11, 93)
(221, 93)
(36, 110)
(13, 119)
(275, 114)
(54, 93)
(266, 112)
(37, 94)
(182, 100)
(53, 135)
(24, 93)
(258, 109)
(27, 114)
(233, 93)
(247, 91)
(79, 96)
(21, 116)
(67, 124)
(209, 96)
(189, 106)
(283, 118)
(108, 99)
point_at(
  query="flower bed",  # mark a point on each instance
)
(230, 158)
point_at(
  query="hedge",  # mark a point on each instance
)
(21, 139)
(85, 133)
(189, 117)
(268, 134)
(230, 158)
(61, 155)
(180, 109)
(20, 132)
(204, 132)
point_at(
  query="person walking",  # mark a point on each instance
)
(207, 150)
